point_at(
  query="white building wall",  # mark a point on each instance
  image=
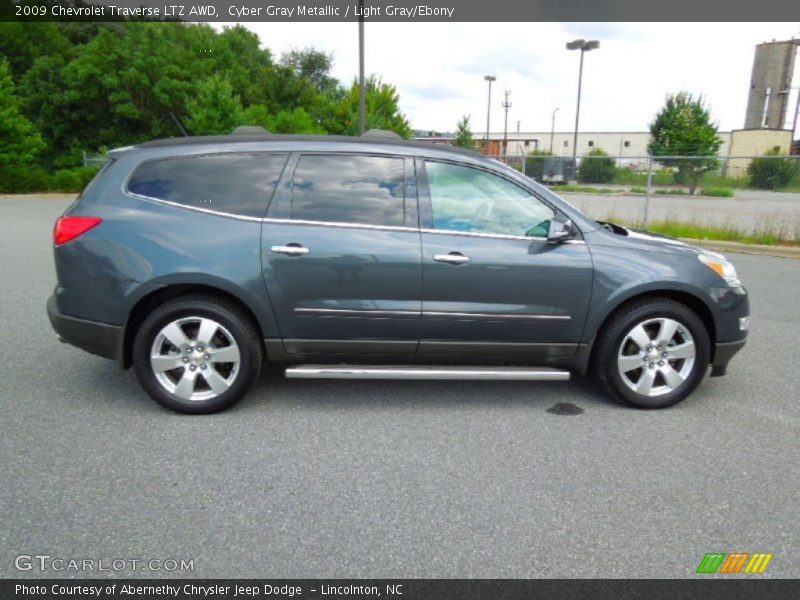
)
(625, 144)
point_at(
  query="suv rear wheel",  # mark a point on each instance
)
(652, 353)
(197, 355)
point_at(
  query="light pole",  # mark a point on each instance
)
(583, 46)
(553, 128)
(362, 112)
(490, 79)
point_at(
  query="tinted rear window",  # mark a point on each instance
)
(240, 184)
(349, 189)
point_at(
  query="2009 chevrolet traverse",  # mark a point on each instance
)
(196, 259)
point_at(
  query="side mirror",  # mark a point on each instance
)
(560, 230)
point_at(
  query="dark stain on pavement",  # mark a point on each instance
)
(564, 408)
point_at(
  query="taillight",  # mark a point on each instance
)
(68, 228)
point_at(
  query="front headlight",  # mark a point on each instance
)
(721, 266)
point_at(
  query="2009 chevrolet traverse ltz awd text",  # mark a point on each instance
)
(195, 260)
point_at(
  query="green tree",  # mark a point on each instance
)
(44, 101)
(382, 110)
(464, 137)
(86, 85)
(311, 64)
(19, 141)
(285, 121)
(215, 109)
(123, 87)
(597, 167)
(684, 128)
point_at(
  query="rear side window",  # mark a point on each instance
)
(349, 189)
(240, 184)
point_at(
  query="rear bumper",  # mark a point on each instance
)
(97, 338)
(723, 353)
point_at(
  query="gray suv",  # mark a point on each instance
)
(194, 260)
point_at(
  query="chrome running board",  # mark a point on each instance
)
(425, 372)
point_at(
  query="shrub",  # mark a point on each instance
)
(534, 164)
(717, 192)
(31, 179)
(65, 180)
(597, 167)
(771, 172)
(21, 179)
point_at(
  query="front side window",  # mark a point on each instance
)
(349, 189)
(472, 200)
(239, 184)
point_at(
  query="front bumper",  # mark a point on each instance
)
(97, 338)
(723, 353)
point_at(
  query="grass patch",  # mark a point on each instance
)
(763, 234)
(672, 192)
(706, 232)
(637, 189)
(717, 192)
(587, 189)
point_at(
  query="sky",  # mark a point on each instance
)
(439, 68)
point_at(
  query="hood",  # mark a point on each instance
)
(647, 239)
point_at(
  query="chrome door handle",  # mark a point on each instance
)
(296, 250)
(454, 258)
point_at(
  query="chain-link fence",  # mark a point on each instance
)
(747, 193)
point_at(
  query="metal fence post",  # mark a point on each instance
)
(649, 189)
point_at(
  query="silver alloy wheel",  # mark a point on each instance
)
(656, 357)
(195, 358)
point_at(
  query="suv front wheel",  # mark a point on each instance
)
(652, 353)
(197, 355)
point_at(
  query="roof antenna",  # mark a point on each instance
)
(178, 123)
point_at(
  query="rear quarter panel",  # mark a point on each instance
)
(144, 245)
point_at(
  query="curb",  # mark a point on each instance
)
(721, 246)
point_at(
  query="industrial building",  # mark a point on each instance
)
(770, 122)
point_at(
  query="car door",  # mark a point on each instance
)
(492, 283)
(342, 257)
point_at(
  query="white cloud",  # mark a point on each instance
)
(438, 68)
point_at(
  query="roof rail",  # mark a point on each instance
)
(249, 130)
(381, 133)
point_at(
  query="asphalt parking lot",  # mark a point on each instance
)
(391, 479)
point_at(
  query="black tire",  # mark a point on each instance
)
(614, 334)
(234, 323)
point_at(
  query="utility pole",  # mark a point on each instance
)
(490, 79)
(553, 128)
(506, 105)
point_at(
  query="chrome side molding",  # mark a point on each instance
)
(423, 372)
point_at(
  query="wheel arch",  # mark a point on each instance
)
(689, 299)
(164, 293)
